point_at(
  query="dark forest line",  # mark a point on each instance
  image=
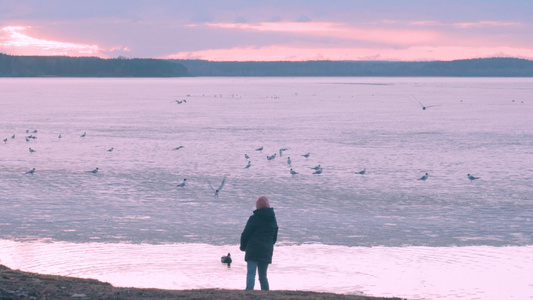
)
(64, 66)
(487, 67)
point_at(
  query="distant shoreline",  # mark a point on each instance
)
(94, 67)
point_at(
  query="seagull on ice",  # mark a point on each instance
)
(219, 188)
(281, 151)
(271, 157)
(248, 165)
(31, 150)
(31, 171)
(246, 156)
(319, 171)
(363, 172)
(93, 171)
(259, 149)
(423, 178)
(59, 136)
(293, 172)
(5, 140)
(183, 183)
(177, 148)
(226, 259)
(317, 168)
(472, 178)
(306, 155)
(111, 149)
(84, 134)
(13, 136)
(289, 161)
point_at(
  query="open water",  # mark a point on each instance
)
(339, 231)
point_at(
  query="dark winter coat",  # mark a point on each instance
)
(260, 235)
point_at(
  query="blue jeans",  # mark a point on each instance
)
(261, 267)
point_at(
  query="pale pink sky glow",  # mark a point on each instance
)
(239, 30)
(286, 53)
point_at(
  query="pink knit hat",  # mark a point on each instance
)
(262, 202)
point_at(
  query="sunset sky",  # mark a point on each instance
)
(239, 30)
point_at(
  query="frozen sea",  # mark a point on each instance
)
(384, 233)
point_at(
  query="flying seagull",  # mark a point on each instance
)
(281, 151)
(422, 105)
(219, 188)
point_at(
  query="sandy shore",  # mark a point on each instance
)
(16, 284)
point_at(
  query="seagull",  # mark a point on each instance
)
(472, 178)
(183, 183)
(35, 131)
(289, 161)
(226, 259)
(259, 149)
(423, 106)
(271, 157)
(361, 172)
(84, 134)
(93, 171)
(111, 149)
(177, 148)
(246, 156)
(306, 155)
(13, 136)
(319, 171)
(293, 172)
(31, 171)
(27, 139)
(59, 136)
(423, 178)
(248, 165)
(219, 188)
(31, 150)
(317, 167)
(27, 131)
(281, 151)
(5, 140)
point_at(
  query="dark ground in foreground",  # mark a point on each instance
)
(16, 284)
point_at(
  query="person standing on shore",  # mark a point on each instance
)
(258, 239)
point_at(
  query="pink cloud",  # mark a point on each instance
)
(288, 53)
(338, 30)
(14, 41)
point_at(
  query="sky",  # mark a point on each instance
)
(269, 30)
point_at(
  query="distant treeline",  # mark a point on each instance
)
(64, 66)
(487, 67)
